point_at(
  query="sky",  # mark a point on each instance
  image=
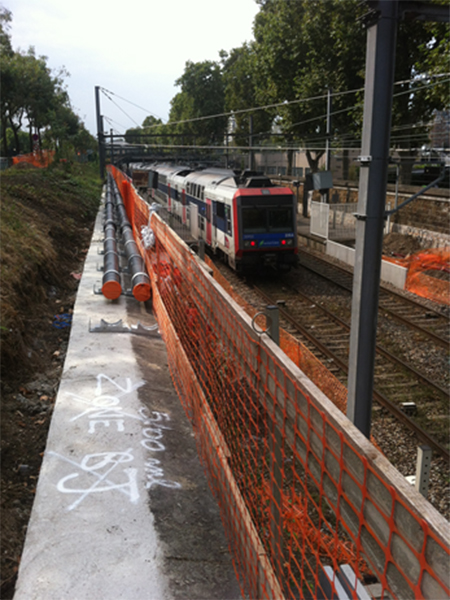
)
(134, 49)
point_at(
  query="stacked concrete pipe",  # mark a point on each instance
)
(111, 286)
(140, 282)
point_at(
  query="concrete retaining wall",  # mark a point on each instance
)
(390, 273)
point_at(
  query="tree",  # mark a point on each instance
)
(302, 48)
(239, 79)
(202, 94)
(306, 46)
(422, 53)
(151, 132)
(31, 91)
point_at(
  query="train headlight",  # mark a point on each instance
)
(288, 242)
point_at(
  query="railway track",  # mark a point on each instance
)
(394, 381)
(430, 323)
(326, 333)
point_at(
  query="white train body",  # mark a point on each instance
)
(246, 218)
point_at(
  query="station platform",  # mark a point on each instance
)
(123, 509)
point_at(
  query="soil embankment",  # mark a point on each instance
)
(47, 216)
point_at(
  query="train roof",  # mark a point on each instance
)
(213, 177)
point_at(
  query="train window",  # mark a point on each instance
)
(280, 219)
(228, 218)
(188, 187)
(203, 192)
(220, 210)
(254, 220)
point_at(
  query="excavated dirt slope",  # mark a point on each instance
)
(47, 218)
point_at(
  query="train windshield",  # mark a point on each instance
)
(254, 220)
(280, 219)
(267, 219)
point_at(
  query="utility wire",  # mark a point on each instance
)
(298, 101)
(108, 94)
(111, 122)
(120, 108)
(129, 102)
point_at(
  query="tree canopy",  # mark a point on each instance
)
(202, 94)
(301, 49)
(34, 96)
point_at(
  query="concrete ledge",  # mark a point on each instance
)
(390, 272)
(122, 507)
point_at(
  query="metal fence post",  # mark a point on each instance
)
(423, 469)
(201, 249)
(273, 317)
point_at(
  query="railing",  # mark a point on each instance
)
(333, 221)
(309, 505)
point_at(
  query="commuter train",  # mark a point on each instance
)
(243, 217)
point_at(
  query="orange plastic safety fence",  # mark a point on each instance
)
(418, 282)
(297, 352)
(301, 491)
(436, 287)
(43, 158)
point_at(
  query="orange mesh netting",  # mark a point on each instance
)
(301, 491)
(297, 352)
(426, 286)
(419, 282)
(39, 159)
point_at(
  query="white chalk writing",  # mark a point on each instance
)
(153, 473)
(111, 471)
(152, 436)
(100, 466)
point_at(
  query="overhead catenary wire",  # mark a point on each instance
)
(112, 122)
(121, 109)
(285, 103)
(297, 148)
(132, 103)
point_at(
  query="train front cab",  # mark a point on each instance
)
(267, 228)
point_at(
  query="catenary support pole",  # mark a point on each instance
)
(380, 61)
(328, 140)
(250, 144)
(100, 138)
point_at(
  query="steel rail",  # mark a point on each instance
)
(391, 357)
(437, 339)
(381, 399)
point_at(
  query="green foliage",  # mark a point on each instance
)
(301, 49)
(202, 94)
(240, 83)
(31, 91)
(41, 215)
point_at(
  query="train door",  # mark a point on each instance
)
(208, 222)
(169, 199)
(193, 211)
(183, 204)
